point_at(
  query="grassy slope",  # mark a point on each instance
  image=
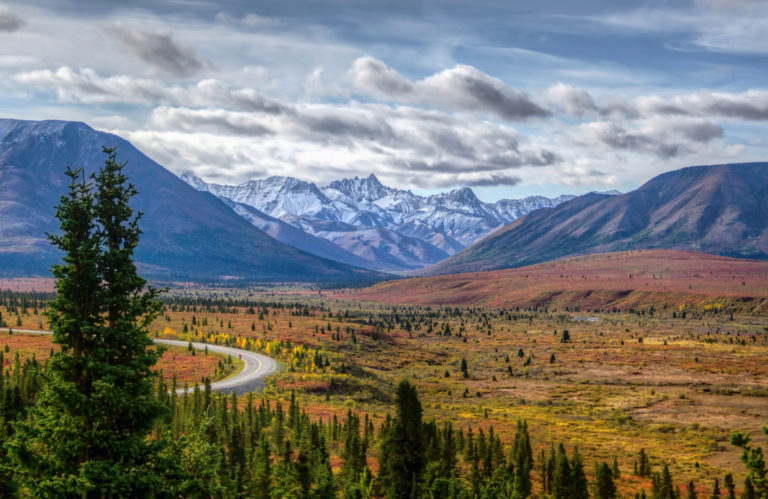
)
(614, 280)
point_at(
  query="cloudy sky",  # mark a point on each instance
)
(512, 98)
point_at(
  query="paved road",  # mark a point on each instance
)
(255, 365)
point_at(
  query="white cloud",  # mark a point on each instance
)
(87, 86)
(461, 88)
(662, 137)
(425, 147)
(249, 20)
(403, 137)
(571, 100)
(728, 26)
(16, 61)
(748, 105)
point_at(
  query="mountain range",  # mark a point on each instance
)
(351, 230)
(370, 225)
(717, 209)
(187, 234)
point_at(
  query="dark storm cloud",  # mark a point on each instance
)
(159, 50)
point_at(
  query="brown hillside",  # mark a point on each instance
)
(622, 280)
(717, 209)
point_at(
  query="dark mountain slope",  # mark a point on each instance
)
(720, 209)
(187, 234)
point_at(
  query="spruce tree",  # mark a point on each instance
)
(562, 479)
(402, 448)
(691, 494)
(87, 433)
(730, 486)
(579, 486)
(715, 490)
(604, 487)
(522, 460)
(644, 467)
(662, 486)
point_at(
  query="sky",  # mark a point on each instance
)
(510, 98)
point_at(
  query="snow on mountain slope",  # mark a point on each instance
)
(512, 209)
(292, 236)
(425, 232)
(411, 230)
(275, 196)
(392, 251)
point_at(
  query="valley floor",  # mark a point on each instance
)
(673, 381)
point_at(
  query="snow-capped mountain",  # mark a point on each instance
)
(182, 228)
(513, 209)
(391, 229)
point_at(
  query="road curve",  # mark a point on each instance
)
(255, 365)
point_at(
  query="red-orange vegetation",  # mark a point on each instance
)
(188, 368)
(623, 281)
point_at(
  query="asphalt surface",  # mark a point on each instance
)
(255, 365)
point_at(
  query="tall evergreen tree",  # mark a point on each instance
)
(644, 466)
(562, 479)
(691, 493)
(86, 435)
(579, 486)
(716, 490)
(522, 460)
(662, 486)
(604, 487)
(402, 450)
(730, 486)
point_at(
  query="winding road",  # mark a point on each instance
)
(255, 365)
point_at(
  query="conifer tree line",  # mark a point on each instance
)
(96, 421)
(214, 445)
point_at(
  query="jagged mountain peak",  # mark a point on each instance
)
(193, 180)
(281, 180)
(352, 210)
(462, 199)
(464, 195)
(361, 189)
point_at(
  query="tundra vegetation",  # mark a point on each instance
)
(636, 392)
